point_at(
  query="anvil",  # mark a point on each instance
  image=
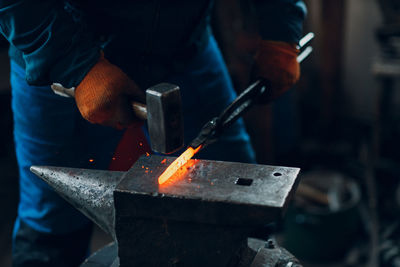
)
(202, 216)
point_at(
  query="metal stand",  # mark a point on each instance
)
(258, 253)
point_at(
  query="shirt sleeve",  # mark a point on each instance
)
(54, 41)
(280, 20)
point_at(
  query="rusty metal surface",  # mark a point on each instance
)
(208, 191)
(90, 191)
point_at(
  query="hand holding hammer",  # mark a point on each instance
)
(107, 96)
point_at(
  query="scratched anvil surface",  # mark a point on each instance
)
(207, 191)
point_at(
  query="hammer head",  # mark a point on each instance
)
(164, 118)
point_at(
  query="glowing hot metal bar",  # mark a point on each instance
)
(178, 163)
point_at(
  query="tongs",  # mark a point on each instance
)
(213, 129)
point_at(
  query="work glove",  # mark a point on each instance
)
(276, 62)
(105, 94)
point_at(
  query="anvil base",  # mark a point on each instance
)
(258, 253)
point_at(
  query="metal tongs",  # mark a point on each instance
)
(212, 130)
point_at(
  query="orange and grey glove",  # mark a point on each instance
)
(276, 62)
(105, 94)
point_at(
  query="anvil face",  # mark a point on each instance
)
(208, 191)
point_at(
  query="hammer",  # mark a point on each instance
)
(163, 112)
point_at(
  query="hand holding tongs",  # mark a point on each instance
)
(213, 129)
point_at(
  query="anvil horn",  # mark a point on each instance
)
(89, 191)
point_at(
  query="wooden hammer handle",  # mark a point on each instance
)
(140, 110)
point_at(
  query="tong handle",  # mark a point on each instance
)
(242, 103)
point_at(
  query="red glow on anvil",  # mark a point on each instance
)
(177, 164)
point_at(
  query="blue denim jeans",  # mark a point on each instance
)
(49, 130)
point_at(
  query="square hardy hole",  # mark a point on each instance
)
(244, 181)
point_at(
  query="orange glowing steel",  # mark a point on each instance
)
(177, 164)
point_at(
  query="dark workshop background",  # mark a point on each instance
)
(341, 120)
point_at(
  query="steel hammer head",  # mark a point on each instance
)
(164, 118)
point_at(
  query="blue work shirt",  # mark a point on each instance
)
(59, 41)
